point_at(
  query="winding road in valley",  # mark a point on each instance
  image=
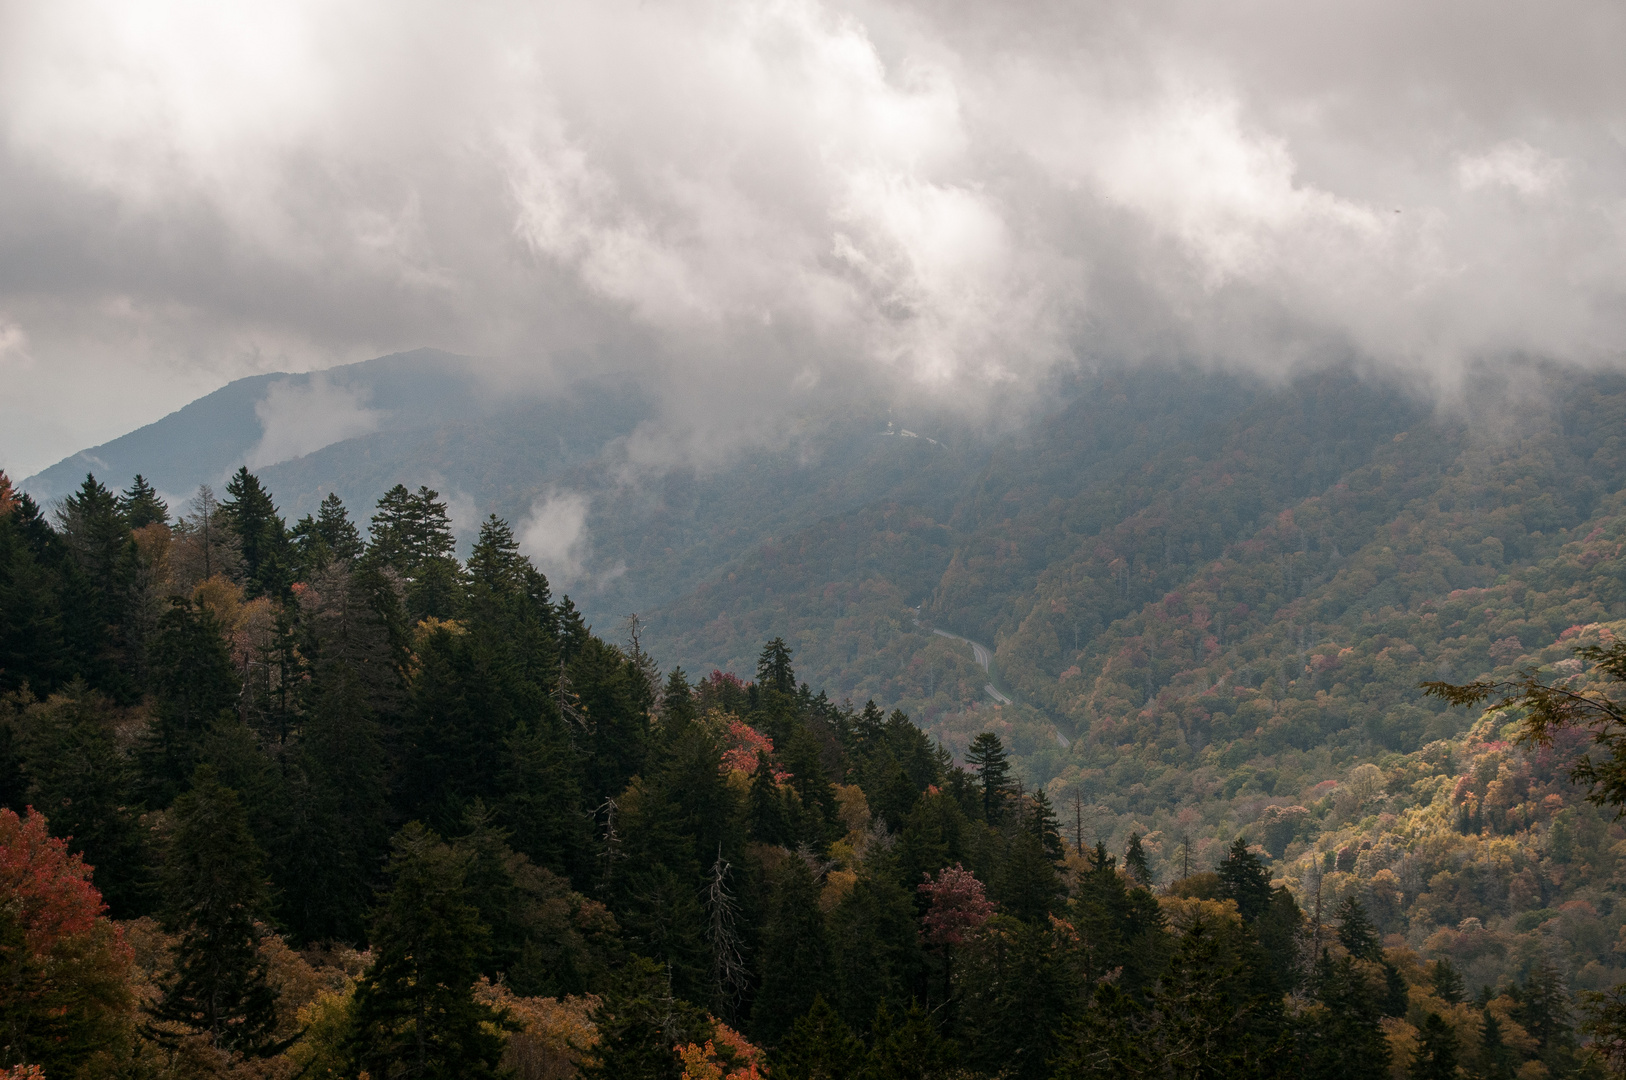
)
(984, 658)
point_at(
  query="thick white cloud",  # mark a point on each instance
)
(754, 198)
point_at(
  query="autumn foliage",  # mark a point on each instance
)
(959, 905)
(64, 967)
(725, 1056)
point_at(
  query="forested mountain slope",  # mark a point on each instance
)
(358, 807)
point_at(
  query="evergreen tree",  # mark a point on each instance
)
(330, 535)
(1436, 1054)
(819, 1047)
(1243, 878)
(72, 762)
(1342, 1038)
(336, 530)
(412, 534)
(1135, 863)
(195, 685)
(774, 670)
(98, 584)
(987, 756)
(141, 505)
(909, 1047)
(639, 1023)
(1544, 1011)
(1447, 983)
(34, 650)
(1496, 1058)
(414, 1012)
(263, 539)
(1042, 821)
(1356, 932)
(794, 965)
(214, 896)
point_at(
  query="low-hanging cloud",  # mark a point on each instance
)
(555, 536)
(754, 198)
(298, 416)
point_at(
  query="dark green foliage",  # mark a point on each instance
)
(196, 687)
(414, 1012)
(1355, 931)
(97, 581)
(987, 757)
(1447, 982)
(1436, 1055)
(1120, 927)
(1135, 864)
(262, 537)
(1341, 1036)
(639, 1023)
(908, 1047)
(874, 945)
(72, 768)
(1543, 1009)
(1496, 1060)
(1198, 1021)
(141, 505)
(819, 1047)
(1243, 878)
(794, 961)
(214, 896)
(33, 648)
(1041, 820)
(329, 536)
(412, 535)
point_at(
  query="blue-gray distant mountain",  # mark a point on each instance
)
(205, 441)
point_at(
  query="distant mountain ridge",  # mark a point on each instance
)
(202, 442)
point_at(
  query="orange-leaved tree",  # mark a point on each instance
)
(64, 967)
(725, 1056)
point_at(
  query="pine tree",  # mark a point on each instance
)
(794, 963)
(196, 686)
(141, 505)
(330, 535)
(987, 756)
(1436, 1054)
(98, 586)
(337, 531)
(1496, 1059)
(1447, 982)
(414, 1012)
(1135, 862)
(774, 670)
(412, 533)
(1243, 878)
(263, 538)
(819, 1047)
(1356, 932)
(72, 762)
(33, 649)
(1045, 827)
(214, 896)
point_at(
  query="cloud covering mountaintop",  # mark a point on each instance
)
(762, 199)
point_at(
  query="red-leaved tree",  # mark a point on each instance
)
(64, 967)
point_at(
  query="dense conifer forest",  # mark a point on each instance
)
(326, 800)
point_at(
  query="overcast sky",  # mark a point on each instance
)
(772, 197)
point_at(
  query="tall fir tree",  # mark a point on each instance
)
(263, 538)
(214, 891)
(415, 1013)
(987, 756)
(141, 505)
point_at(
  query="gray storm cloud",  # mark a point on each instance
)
(762, 198)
